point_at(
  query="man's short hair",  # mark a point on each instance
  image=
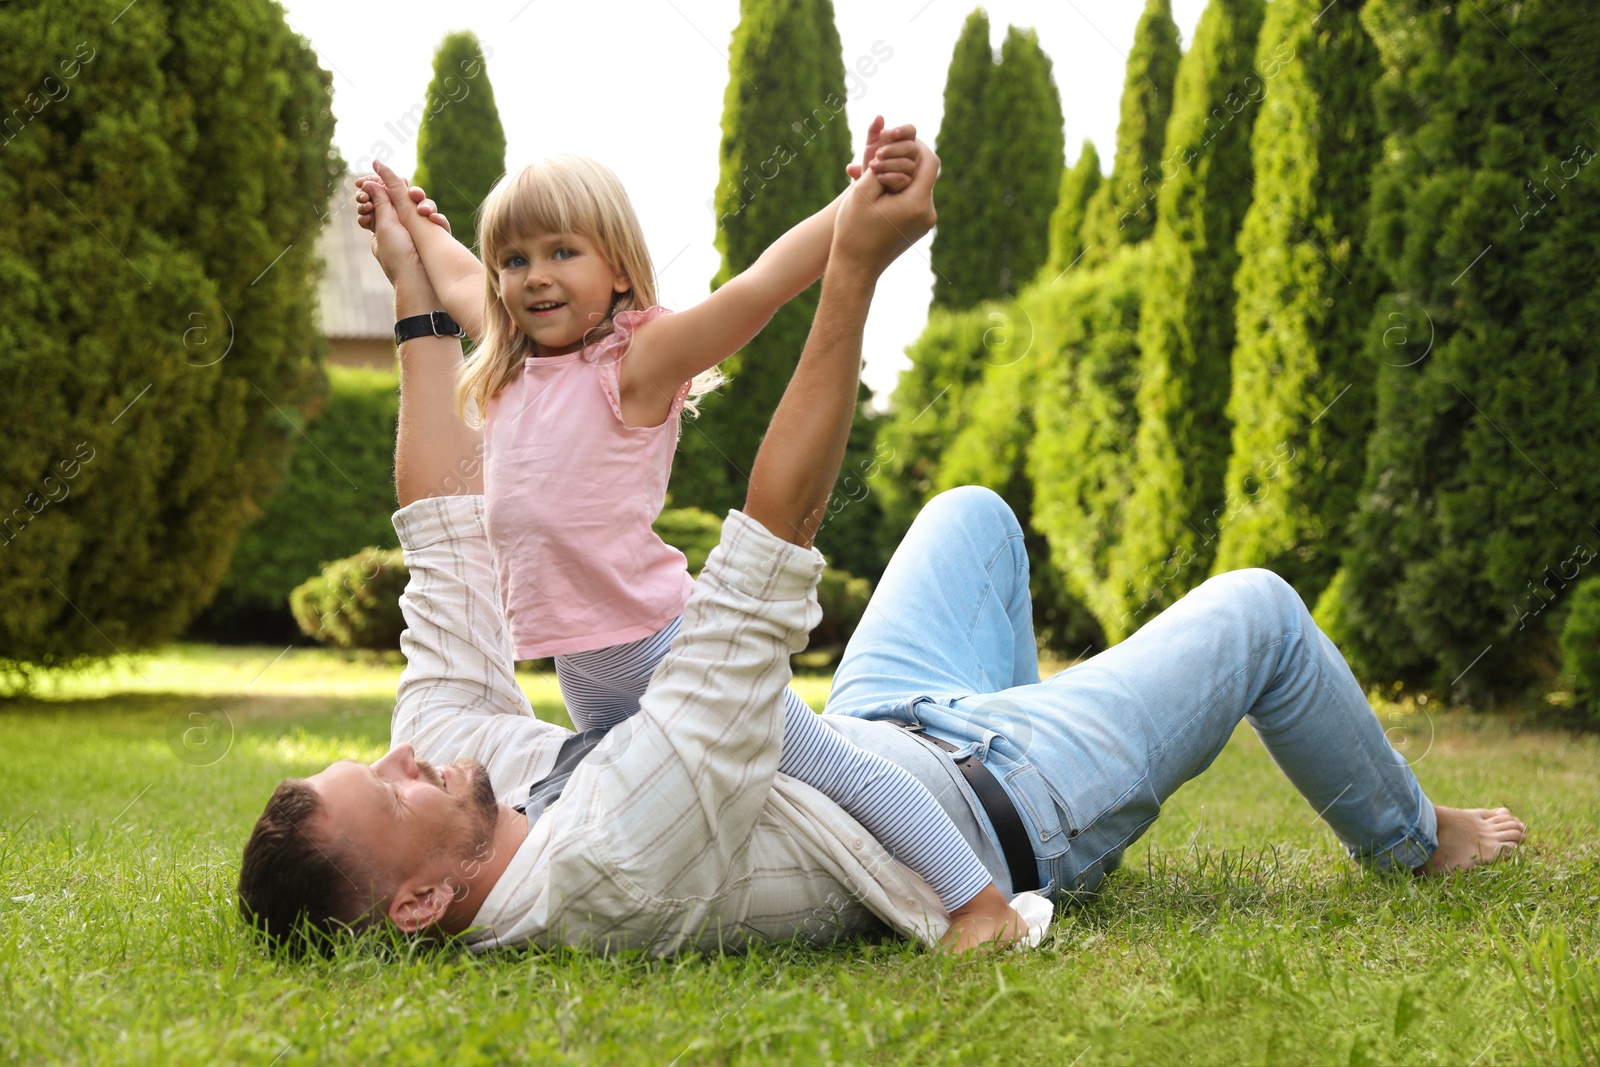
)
(296, 890)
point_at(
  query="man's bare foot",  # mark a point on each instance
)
(1472, 836)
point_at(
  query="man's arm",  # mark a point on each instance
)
(675, 348)
(800, 455)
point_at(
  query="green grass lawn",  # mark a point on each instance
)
(1235, 932)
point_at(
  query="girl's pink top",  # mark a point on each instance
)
(571, 493)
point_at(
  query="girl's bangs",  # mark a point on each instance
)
(537, 200)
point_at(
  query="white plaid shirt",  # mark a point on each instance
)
(677, 831)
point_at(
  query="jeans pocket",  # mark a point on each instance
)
(1026, 786)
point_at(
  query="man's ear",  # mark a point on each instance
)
(417, 906)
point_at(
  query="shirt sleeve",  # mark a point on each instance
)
(458, 695)
(657, 819)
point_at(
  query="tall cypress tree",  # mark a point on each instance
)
(1302, 378)
(461, 146)
(1000, 144)
(1186, 328)
(964, 251)
(1478, 508)
(1023, 155)
(1078, 184)
(785, 144)
(1123, 210)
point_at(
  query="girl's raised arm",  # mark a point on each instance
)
(673, 349)
(455, 272)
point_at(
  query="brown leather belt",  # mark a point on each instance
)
(1008, 825)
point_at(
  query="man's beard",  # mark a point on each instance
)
(471, 841)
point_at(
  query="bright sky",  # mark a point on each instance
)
(639, 87)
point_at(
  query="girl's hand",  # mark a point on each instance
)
(392, 245)
(891, 155)
(425, 207)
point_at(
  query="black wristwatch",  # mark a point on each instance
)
(433, 324)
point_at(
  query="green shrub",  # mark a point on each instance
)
(1086, 419)
(1186, 323)
(1078, 185)
(1303, 380)
(336, 499)
(929, 405)
(354, 602)
(1122, 211)
(1580, 644)
(991, 449)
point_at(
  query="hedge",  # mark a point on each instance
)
(336, 499)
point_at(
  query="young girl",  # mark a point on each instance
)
(580, 380)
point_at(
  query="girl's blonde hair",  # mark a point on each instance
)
(562, 194)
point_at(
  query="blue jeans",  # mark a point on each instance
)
(1090, 754)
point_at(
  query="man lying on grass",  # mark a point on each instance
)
(675, 830)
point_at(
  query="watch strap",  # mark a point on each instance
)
(433, 324)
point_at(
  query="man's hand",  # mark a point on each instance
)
(890, 154)
(425, 207)
(874, 226)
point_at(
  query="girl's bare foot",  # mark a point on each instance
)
(986, 918)
(1472, 836)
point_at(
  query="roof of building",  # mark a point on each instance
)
(354, 299)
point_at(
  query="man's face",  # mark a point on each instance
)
(411, 821)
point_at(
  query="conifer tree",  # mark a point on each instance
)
(963, 253)
(1078, 184)
(169, 165)
(1302, 376)
(461, 146)
(785, 144)
(1123, 210)
(1186, 328)
(999, 144)
(991, 449)
(1477, 511)
(1084, 416)
(1023, 154)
